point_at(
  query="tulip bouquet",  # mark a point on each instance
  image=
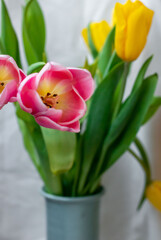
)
(76, 122)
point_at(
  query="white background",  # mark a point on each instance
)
(22, 213)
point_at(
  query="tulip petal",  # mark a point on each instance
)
(138, 27)
(99, 33)
(72, 105)
(22, 75)
(54, 77)
(83, 82)
(153, 194)
(52, 113)
(48, 123)
(10, 78)
(133, 21)
(8, 69)
(120, 35)
(28, 98)
(8, 94)
(74, 127)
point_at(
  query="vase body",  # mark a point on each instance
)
(72, 218)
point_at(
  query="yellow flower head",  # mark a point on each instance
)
(99, 33)
(133, 21)
(153, 194)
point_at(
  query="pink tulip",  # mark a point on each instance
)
(10, 78)
(56, 96)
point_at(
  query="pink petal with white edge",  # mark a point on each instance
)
(59, 71)
(54, 77)
(22, 75)
(52, 113)
(9, 63)
(28, 97)
(73, 107)
(83, 82)
(8, 94)
(48, 123)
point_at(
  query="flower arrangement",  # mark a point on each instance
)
(76, 122)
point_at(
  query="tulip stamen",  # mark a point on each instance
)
(2, 83)
(50, 99)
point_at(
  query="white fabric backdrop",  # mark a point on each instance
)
(22, 214)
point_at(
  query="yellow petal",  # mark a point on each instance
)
(133, 21)
(5, 76)
(120, 35)
(99, 33)
(138, 26)
(153, 194)
(85, 35)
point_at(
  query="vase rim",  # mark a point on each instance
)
(56, 198)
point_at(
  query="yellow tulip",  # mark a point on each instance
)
(153, 194)
(99, 33)
(133, 21)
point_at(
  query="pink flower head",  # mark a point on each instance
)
(10, 78)
(56, 96)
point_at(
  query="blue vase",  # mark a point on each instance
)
(72, 218)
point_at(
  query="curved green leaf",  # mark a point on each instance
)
(155, 105)
(106, 52)
(61, 149)
(99, 118)
(142, 73)
(128, 134)
(34, 33)
(9, 43)
(35, 67)
(36, 147)
(113, 61)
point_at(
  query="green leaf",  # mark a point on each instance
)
(106, 52)
(155, 105)
(121, 120)
(142, 73)
(128, 134)
(36, 147)
(9, 42)
(120, 91)
(61, 149)
(35, 67)
(113, 61)
(117, 127)
(92, 47)
(29, 145)
(99, 118)
(34, 33)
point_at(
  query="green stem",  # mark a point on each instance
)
(78, 164)
(140, 161)
(122, 90)
(144, 155)
(146, 168)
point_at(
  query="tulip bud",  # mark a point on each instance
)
(99, 33)
(153, 194)
(133, 21)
